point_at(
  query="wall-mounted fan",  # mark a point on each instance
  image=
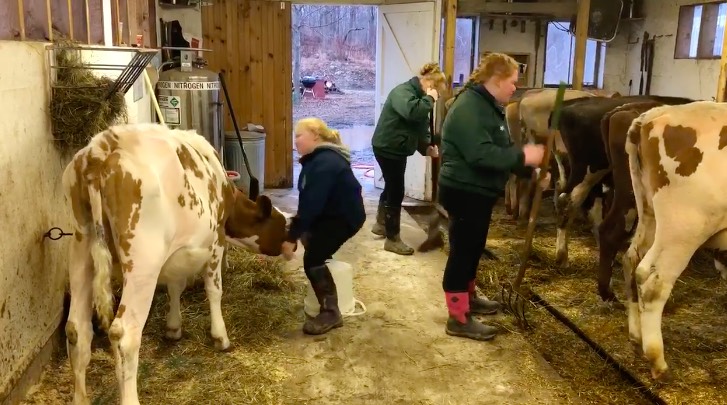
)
(603, 20)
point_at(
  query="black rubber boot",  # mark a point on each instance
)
(329, 316)
(460, 322)
(393, 242)
(379, 227)
(481, 306)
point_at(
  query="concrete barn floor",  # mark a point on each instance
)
(398, 352)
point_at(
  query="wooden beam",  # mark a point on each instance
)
(69, 7)
(21, 19)
(722, 81)
(450, 26)
(88, 23)
(132, 20)
(49, 14)
(150, 28)
(579, 57)
(561, 9)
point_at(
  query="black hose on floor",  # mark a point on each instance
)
(625, 373)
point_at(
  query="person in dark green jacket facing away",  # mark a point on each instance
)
(402, 129)
(478, 156)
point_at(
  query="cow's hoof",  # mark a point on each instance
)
(612, 305)
(561, 259)
(488, 255)
(617, 305)
(636, 347)
(222, 344)
(663, 376)
(81, 400)
(174, 334)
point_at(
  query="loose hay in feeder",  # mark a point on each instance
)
(81, 105)
(258, 306)
(694, 322)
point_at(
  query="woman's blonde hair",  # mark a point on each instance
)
(319, 128)
(432, 71)
(496, 65)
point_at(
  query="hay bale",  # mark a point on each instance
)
(79, 107)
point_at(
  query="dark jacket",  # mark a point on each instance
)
(403, 126)
(327, 189)
(477, 152)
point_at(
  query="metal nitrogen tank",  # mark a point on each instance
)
(189, 98)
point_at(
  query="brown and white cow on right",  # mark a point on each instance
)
(677, 158)
(620, 220)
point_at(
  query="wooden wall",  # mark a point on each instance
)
(251, 44)
(138, 17)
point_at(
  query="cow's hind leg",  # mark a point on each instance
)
(79, 331)
(641, 242)
(720, 263)
(511, 195)
(141, 271)
(174, 316)
(611, 233)
(655, 278)
(213, 287)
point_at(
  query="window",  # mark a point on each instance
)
(700, 31)
(465, 35)
(560, 48)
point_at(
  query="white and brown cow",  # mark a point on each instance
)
(620, 220)
(677, 158)
(156, 205)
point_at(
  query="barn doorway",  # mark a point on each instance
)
(334, 64)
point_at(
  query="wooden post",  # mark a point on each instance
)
(722, 82)
(21, 18)
(88, 25)
(70, 18)
(50, 20)
(150, 28)
(579, 58)
(117, 23)
(450, 25)
(133, 25)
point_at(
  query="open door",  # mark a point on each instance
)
(407, 38)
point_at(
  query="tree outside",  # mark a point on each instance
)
(337, 44)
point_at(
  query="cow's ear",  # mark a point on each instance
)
(264, 206)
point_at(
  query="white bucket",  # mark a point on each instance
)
(342, 273)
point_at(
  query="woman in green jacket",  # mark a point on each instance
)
(402, 129)
(478, 156)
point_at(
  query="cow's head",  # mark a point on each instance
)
(255, 225)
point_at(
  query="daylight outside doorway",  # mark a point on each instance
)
(334, 62)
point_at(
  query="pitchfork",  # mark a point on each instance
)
(512, 296)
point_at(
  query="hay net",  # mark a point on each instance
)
(82, 103)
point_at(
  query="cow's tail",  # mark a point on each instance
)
(103, 297)
(633, 143)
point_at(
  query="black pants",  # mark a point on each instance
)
(393, 194)
(469, 222)
(393, 172)
(324, 239)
